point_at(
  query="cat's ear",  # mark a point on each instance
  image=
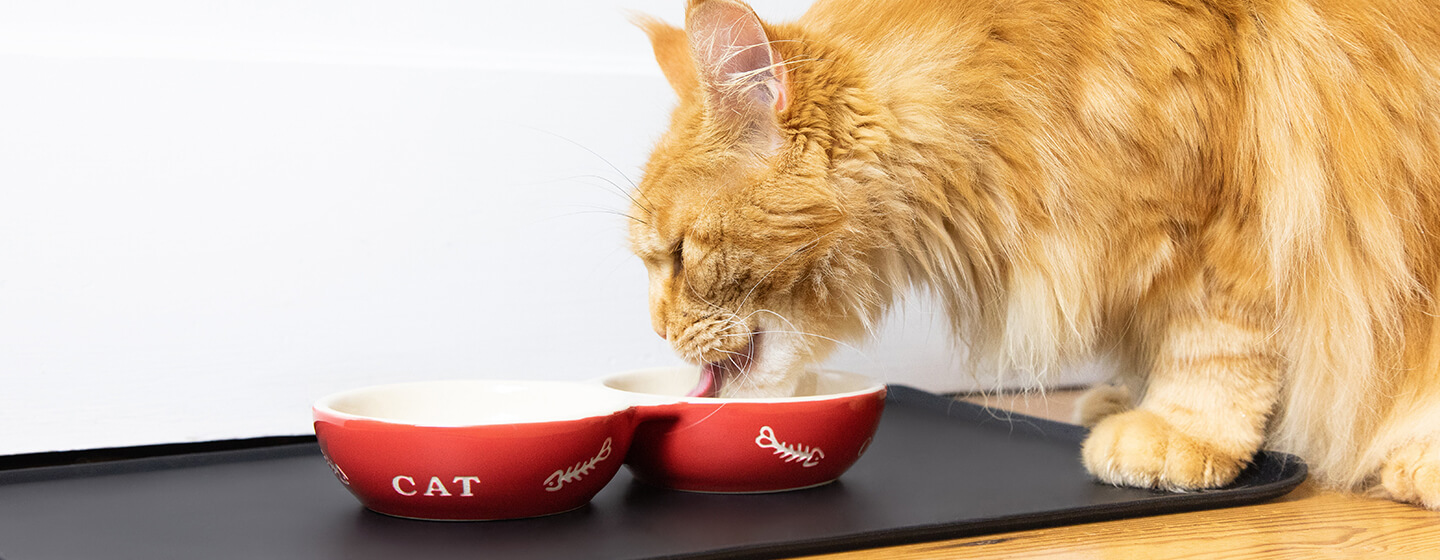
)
(740, 71)
(672, 52)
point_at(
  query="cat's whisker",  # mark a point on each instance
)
(797, 331)
(734, 321)
(730, 357)
(803, 333)
(587, 149)
(597, 155)
(618, 189)
(600, 210)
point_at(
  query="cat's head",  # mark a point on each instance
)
(756, 260)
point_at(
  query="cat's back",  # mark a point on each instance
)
(881, 19)
(903, 28)
(1230, 56)
(882, 25)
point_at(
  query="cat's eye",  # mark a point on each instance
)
(678, 255)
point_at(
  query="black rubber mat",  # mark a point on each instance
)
(938, 468)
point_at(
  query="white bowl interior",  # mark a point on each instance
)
(678, 381)
(475, 402)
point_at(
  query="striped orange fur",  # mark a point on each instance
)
(1239, 200)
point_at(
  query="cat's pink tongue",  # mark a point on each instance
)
(715, 374)
(708, 385)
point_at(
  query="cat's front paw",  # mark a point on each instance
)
(1140, 448)
(1412, 474)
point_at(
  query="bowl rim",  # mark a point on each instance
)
(623, 399)
(325, 405)
(873, 386)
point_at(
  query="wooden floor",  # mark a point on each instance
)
(1307, 523)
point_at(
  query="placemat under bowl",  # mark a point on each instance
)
(938, 468)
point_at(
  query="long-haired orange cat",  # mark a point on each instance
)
(1238, 199)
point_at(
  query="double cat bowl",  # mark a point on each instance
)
(489, 449)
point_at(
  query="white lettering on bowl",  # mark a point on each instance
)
(405, 486)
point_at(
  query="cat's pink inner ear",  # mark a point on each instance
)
(734, 56)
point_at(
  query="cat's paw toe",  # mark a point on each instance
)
(1412, 474)
(1139, 448)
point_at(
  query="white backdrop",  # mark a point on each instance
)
(213, 213)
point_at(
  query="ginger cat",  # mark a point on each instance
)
(1239, 199)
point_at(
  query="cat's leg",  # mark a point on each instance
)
(1411, 469)
(1211, 385)
(1102, 401)
(1411, 473)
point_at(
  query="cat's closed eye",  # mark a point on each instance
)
(678, 256)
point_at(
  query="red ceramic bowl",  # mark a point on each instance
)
(475, 450)
(749, 445)
(479, 450)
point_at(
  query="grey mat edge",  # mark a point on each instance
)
(1271, 475)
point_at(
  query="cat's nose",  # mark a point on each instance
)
(660, 330)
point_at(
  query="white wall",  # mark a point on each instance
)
(211, 214)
